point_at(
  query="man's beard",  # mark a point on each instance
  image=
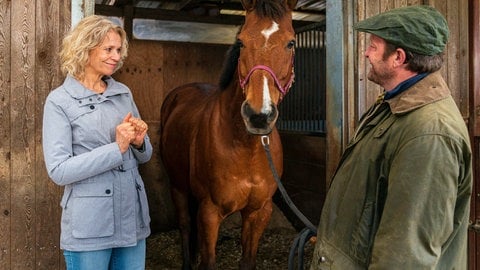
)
(380, 78)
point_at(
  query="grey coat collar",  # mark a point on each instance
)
(75, 89)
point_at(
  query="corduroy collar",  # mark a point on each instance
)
(428, 90)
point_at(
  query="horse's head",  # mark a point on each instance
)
(265, 64)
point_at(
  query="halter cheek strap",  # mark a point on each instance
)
(283, 89)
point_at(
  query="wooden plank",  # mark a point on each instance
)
(362, 44)
(368, 91)
(463, 100)
(143, 73)
(456, 13)
(65, 15)
(416, 2)
(372, 89)
(23, 134)
(400, 3)
(474, 8)
(47, 77)
(386, 5)
(5, 139)
(192, 63)
(153, 68)
(474, 124)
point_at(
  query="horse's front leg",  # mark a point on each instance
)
(209, 221)
(254, 223)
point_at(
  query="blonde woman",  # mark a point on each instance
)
(93, 141)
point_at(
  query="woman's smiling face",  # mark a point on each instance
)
(104, 58)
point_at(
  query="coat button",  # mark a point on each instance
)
(92, 107)
(108, 191)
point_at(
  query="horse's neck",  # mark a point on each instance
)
(229, 106)
(230, 101)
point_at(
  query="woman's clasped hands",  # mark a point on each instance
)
(132, 130)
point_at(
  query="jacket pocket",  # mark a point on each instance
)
(361, 236)
(92, 210)
(144, 219)
(66, 196)
(90, 127)
(328, 257)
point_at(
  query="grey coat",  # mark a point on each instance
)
(104, 204)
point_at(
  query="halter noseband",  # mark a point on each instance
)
(282, 89)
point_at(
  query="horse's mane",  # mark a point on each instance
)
(273, 9)
(229, 65)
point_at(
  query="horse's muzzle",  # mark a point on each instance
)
(259, 123)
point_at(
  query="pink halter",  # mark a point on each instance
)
(282, 89)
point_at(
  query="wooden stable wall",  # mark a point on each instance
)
(30, 36)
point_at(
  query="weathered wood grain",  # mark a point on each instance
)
(5, 151)
(22, 132)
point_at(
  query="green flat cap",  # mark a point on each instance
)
(421, 29)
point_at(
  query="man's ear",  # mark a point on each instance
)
(400, 57)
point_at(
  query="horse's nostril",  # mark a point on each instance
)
(259, 120)
(247, 111)
(272, 116)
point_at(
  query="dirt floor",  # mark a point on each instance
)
(163, 249)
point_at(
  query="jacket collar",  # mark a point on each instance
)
(428, 90)
(75, 89)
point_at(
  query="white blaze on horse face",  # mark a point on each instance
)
(268, 32)
(266, 108)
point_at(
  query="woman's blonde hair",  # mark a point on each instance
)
(88, 34)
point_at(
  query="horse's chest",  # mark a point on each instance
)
(235, 179)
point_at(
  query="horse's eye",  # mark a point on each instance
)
(239, 43)
(291, 44)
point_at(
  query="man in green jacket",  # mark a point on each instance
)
(400, 197)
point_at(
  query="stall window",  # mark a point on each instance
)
(303, 108)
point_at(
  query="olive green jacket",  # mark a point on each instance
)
(400, 197)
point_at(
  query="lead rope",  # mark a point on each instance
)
(310, 230)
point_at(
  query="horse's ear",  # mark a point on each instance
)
(248, 5)
(291, 4)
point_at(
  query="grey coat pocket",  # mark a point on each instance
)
(92, 210)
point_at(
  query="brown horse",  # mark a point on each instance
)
(210, 142)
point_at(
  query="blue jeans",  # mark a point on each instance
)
(125, 258)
